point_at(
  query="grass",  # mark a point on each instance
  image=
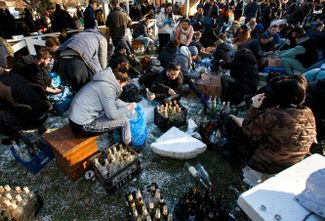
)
(87, 200)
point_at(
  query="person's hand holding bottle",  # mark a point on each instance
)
(257, 100)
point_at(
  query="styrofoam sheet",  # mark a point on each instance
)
(177, 144)
(274, 198)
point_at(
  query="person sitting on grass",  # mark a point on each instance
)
(163, 85)
(279, 136)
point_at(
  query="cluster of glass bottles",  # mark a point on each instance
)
(214, 105)
(148, 205)
(18, 204)
(28, 147)
(113, 160)
(201, 205)
(169, 109)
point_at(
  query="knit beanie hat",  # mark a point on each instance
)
(193, 50)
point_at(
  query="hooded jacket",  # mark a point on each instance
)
(167, 55)
(183, 58)
(98, 98)
(91, 45)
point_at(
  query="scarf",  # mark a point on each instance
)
(183, 35)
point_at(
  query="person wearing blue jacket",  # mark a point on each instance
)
(90, 15)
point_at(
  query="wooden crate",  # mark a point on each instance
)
(71, 151)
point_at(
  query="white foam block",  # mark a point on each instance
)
(177, 144)
(275, 198)
(148, 107)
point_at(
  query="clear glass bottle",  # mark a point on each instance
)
(170, 217)
(2, 190)
(7, 210)
(17, 212)
(7, 189)
(18, 189)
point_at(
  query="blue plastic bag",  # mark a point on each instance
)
(139, 131)
(61, 101)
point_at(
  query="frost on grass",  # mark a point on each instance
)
(88, 200)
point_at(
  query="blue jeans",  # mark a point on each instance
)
(145, 40)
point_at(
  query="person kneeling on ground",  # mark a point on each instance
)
(163, 85)
(22, 105)
(97, 108)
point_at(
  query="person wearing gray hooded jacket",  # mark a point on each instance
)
(82, 56)
(96, 108)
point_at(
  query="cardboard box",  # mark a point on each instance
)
(273, 62)
(209, 85)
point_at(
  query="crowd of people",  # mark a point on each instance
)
(284, 39)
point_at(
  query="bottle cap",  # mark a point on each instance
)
(14, 205)
(18, 198)
(157, 215)
(7, 188)
(18, 189)
(26, 190)
(165, 210)
(7, 203)
(130, 197)
(8, 196)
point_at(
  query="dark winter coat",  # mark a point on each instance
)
(239, 10)
(299, 13)
(62, 19)
(28, 68)
(214, 12)
(282, 137)
(164, 83)
(244, 71)
(141, 29)
(252, 10)
(315, 100)
(89, 17)
(310, 57)
(167, 55)
(26, 93)
(117, 22)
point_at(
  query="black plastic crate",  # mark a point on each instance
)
(177, 120)
(213, 212)
(122, 176)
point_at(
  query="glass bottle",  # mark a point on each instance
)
(165, 212)
(18, 189)
(29, 196)
(7, 210)
(20, 202)
(170, 217)
(204, 174)
(7, 189)
(157, 215)
(17, 212)
(2, 190)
